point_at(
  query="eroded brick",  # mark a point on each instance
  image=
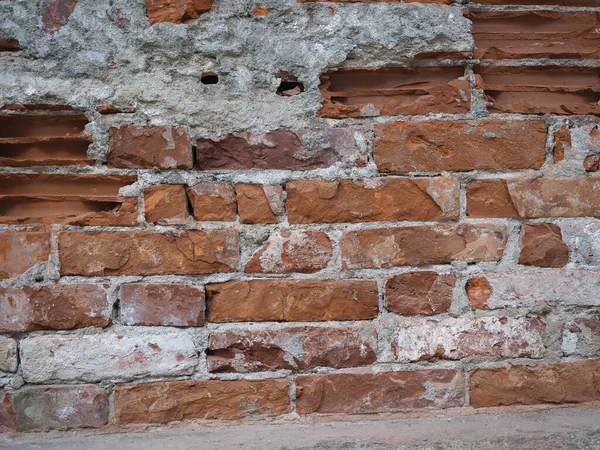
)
(258, 203)
(176, 11)
(542, 246)
(581, 336)
(419, 293)
(20, 251)
(166, 204)
(213, 201)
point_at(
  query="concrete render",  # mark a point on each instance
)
(561, 428)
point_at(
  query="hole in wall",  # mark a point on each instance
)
(209, 78)
(289, 85)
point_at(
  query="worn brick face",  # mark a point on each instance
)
(213, 201)
(259, 203)
(20, 251)
(166, 205)
(419, 293)
(542, 245)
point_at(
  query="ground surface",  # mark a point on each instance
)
(566, 428)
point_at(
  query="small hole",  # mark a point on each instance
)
(209, 78)
(289, 85)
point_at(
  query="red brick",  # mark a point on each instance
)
(176, 11)
(166, 205)
(259, 204)
(213, 201)
(146, 147)
(422, 245)
(562, 141)
(194, 399)
(20, 251)
(442, 145)
(162, 304)
(376, 199)
(55, 306)
(292, 251)
(191, 252)
(366, 393)
(291, 348)
(419, 293)
(575, 382)
(542, 246)
(389, 91)
(534, 198)
(57, 14)
(291, 300)
(47, 407)
(592, 163)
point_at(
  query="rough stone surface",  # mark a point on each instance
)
(114, 355)
(542, 245)
(291, 300)
(535, 288)
(581, 336)
(574, 382)
(144, 147)
(161, 304)
(259, 204)
(291, 348)
(468, 337)
(292, 251)
(319, 201)
(583, 241)
(148, 252)
(419, 293)
(47, 407)
(8, 354)
(166, 205)
(195, 399)
(19, 252)
(360, 393)
(422, 245)
(58, 306)
(213, 201)
(459, 145)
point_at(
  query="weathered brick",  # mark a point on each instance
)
(46, 407)
(422, 245)
(8, 354)
(20, 251)
(291, 348)
(458, 145)
(291, 300)
(581, 335)
(195, 399)
(147, 252)
(542, 246)
(419, 293)
(145, 147)
(166, 204)
(418, 339)
(562, 141)
(535, 288)
(8, 417)
(213, 201)
(574, 382)
(259, 204)
(292, 251)
(162, 304)
(177, 11)
(534, 198)
(114, 355)
(55, 306)
(365, 393)
(583, 241)
(282, 150)
(368, 200)
(57, 14)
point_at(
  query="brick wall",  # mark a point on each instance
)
(227, 210)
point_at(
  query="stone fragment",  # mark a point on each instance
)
(162, 304)
(166, 204)
(21, 250)
(368, 200)
(534, 198)
(102, 253)
(292, 251)
(419, 293)
(422, 245)
(573, 382)
(291, 348)
(176, 11)
(290, 300)
(581, 336)
(258, 203)
(8, 417)
(8, 355)
(367, 393)
(592, 163)
(213, 201)
(57, 14)
(146, 147)
(201, 399)
(542, 246)
(455, 145)
(113, 355)
(55, 306)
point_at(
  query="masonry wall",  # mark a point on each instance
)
(232, 209)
